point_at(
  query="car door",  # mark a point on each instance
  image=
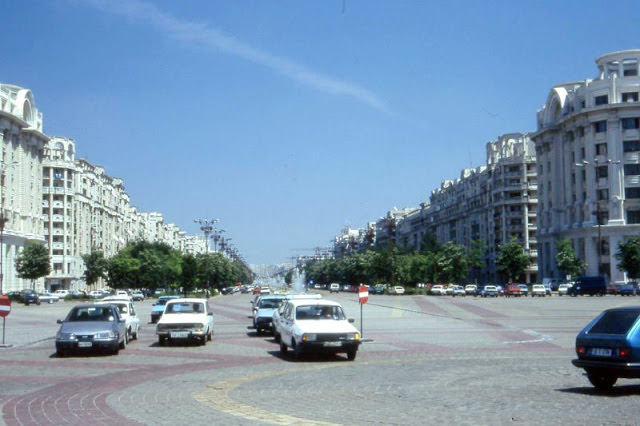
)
(135, 321)
(286, 324)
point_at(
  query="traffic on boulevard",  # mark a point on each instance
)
(466, 356)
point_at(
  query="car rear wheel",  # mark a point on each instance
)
(602, 381)
(123, 345)
(283, 348)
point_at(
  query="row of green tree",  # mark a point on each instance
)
(144, 264)
(452, 263)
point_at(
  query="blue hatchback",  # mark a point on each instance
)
(608, 348)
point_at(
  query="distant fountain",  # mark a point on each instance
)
(300, 283)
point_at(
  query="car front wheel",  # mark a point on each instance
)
(351, 355)
(602, 381)
(283, 348)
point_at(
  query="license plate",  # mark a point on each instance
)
(332, 344)
(601, 351)
(179, 334)
(85, 344)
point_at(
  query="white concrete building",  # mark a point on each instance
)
(489, 204)
(22, 140)
(588, 149)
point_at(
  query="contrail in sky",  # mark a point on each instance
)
(203, 34)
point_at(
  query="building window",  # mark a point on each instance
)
(601, 149)
(631, 169)
(603, 194)
(631, 146)
(632, 192)
(633, 216)
(630, 123)
(602, 172)
(580, 131)
(600, 126)
(630, 68)
(630, 97)
(601, 100)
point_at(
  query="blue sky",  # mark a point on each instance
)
(289, 120)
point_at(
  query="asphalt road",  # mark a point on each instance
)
(425, 360)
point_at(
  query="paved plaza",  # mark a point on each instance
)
(425, 360)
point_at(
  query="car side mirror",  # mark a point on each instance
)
(123, 320)
(210, 313)
(351, 320)
(59, 321)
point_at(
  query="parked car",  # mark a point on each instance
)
(128, 312)
(377, 289)
(334, 288)
(538, 290)
(524, 289)
(608, 348)
(90, 327)
(46, 297)
(62, 293)
(29, 296)
(263, 315)
(563, 289)
(513, 290)
(158, 308)
(317, 326)
(396, 290)
(186, 319)
(458, 290)
(96, 294)
(137, 296)
(627, 289)
(438, 290)
(489, 291)
(594, 285)
(471, 289)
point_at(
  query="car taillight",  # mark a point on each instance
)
(580, 350)
(624, 352)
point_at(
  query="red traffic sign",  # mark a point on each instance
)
(363, 294)
(5, 306)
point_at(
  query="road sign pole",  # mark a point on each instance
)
(3, 320)
(361, 329)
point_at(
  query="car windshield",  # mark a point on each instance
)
(90, 314)
(615, 322)
(268, 303)
(184, 308)
(317, 312)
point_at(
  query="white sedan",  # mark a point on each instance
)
(184, 320)
(46, 297)
(317, 326)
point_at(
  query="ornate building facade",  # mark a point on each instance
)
(588, 148)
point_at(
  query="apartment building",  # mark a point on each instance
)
(22, 140)
(489, 204)
(588, 149)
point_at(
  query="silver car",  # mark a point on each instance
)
(91, 328)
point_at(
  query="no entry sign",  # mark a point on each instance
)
(5, 306)
(363, 294)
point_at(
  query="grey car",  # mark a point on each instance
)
(91, 328)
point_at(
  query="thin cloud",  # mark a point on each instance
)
(203, 34)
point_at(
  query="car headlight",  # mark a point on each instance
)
(105, 335)
(65, 336)
(198, 327)
(309, 337)
(161, 327)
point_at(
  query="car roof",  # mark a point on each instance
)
(116, 299)
(313, 302)
(188, 300)
(113, 302)
(302, 296)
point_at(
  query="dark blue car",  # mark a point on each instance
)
(608, 348)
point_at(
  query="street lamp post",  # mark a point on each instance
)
(206, 226)
(217, 236)
(3, 221)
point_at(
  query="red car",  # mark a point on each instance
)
(513, 290)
